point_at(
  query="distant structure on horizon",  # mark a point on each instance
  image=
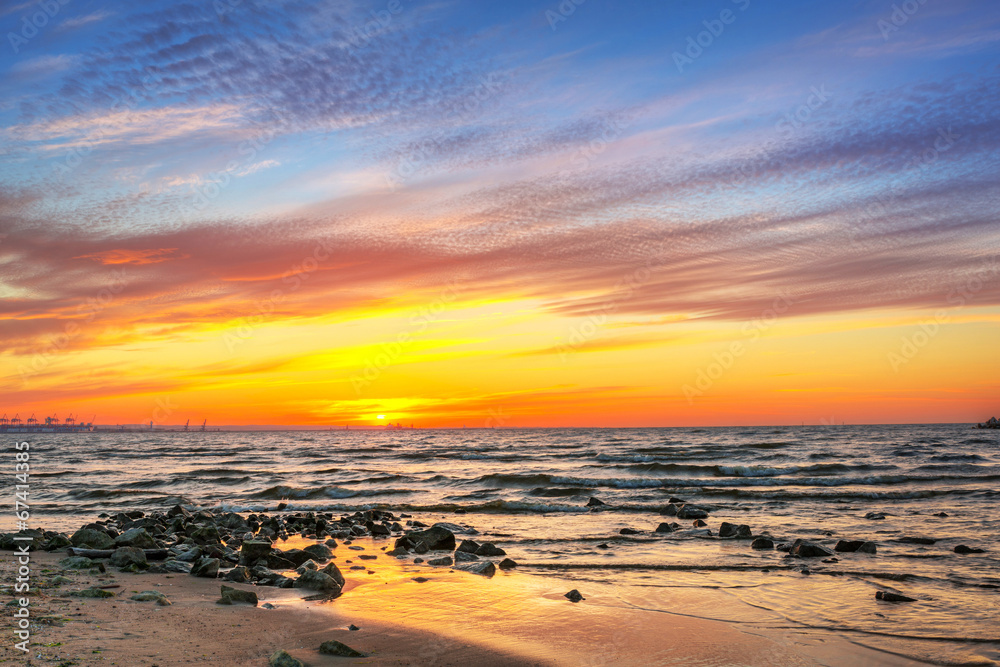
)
(49, 425)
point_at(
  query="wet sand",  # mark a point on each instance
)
(453, 618)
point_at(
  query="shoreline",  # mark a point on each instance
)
(408, 614)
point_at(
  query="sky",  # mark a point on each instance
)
(500, 214)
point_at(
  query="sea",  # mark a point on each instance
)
(527, 490)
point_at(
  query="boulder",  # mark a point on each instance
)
(296, 556)
(318, 581)
(465, 557)
(917, 540)
(435, 537)
(239, 574)
(762, 543)
(253, 550)
(232, 595)
(507, 564)
(332, 570)
(963, 549)
(148, 596)
(92, 539)
(280, 658)
(206, 567)
(667, 527)
(804, 549)
(136, 537)
(76, 563)
(669, 510)
(574, 596)
(868, 548)
(319, 552)
(469, 546)
(178, 566)
(875, 516)
(731, 530)
(628, 531)
(594, 502)
(848, 546)
(489, 550)
(124, 556)
(444, 560)
(692, 512)
(333, 647)
(206, 535)
(485, 568)
(886, 596)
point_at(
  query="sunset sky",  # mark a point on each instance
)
(500, 214)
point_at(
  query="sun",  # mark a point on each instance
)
(381, 416)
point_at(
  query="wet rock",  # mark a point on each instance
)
(367, 556)
(206, 535)
(397, 552)
(507, 564)
(92, 539)
(253, 550)
(916, 540)
(628, 531)
(868, 548)
(831, 560)
(334, 572)
(280, 658)
(276, 562)
(762, 543)
(92, 593)
(206, 567)
(667, 527)
(435, 537)
(804, 549)
(148, 596)
(137, 537)
(875, 516)
(125, 556)
(731, 530)
(421, 580)
(469, 546)
(886, 596)
(296, 556)
(333, 647)
(603, 545)
(691, 512)
(76, 563)
(963, 549)
(191, 555)
(594, 502)
(235, 595)
(318, 581)
(669, 510)
(485, 568)
(177, 566)
(942, 514)
(574, 596)
(465, 557)
(848, 546)
(698, 523)
(353, 628)
(308, 565)
(444, 560)
(239, 575)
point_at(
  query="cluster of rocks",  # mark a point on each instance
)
(992, 423)
(281, 658)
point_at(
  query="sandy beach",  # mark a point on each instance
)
(406, 614)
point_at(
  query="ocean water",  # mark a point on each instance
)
(527, 489)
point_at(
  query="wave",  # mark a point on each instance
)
(544, 479)
(282, 492)
(89, 494)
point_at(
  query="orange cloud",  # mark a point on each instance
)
(124, 256)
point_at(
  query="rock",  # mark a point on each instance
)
(191, 555)
(92, 539)
(507, 564)
(762, 543)
(92, 593)
(308, 565)
(177, 566)
(277, 562)
(848, 546)
(318, 581)
(353, 628)
(628, 531)
(253, 550)
(435, 537)
(831, 560)
(485, 568)
(875, 516)
(603, 545)
(206, 567)
(804, 549)
(465, 557)
(239, 574)
(206, 535)
(698, 523)
(730, 530)
(333, 571)
(281, 659)
(594, 502)
(468, 546)
(669, 510)
(886, 596)
(942, 514)
(398, 552)
(319, 552)
(148, 596)
(574, 596)
(296, 556)
(916, 540)
(136, 537)
(76, 563)
(868, 548)
(691, 512)
(421, 580)
(666, 527)
(235, 595)
(963, 549)
(125, 556)
(333, 647)
(445, 560)
(489, 550)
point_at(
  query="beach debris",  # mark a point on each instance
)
(886, 596)
(875, 516)
(595, 502)
(963, 549)
(762, 543)
(507, 564)
(280, 658)
(731, 530)
(574, 596)
(232, 595)
(803, 549)
(333, 647)
(485, 568)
